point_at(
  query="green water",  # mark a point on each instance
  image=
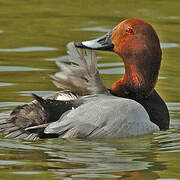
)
(33, 35)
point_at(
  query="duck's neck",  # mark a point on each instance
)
(138, 81)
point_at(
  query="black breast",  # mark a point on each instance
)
(157, 110)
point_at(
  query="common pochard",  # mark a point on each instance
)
(131, 107)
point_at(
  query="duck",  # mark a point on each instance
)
(85, 107)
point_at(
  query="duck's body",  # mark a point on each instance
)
(104, 116)
(130, 108)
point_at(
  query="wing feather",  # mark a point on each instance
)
(81, 76)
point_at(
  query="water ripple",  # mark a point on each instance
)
(25, 172)
(5, 84)
(96, 29)
(110, 64)
(4, 162)
(29, 49)
(61, 58)
(112, 71)
(39, 93)
(18, 68)
(169, 45)
(6, 104)
(173, 106)
(18, 145)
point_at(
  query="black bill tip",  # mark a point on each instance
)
(102, 43)
(95, 45)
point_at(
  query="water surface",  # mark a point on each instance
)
(33, 36)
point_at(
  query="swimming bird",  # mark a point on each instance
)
(86, 108)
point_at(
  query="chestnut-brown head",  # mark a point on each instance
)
(134, 37)
(138, 44)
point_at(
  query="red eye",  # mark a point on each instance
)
(129, 31)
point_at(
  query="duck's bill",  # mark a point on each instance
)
(102, 43)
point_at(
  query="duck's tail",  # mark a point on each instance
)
(12, 126)
(81, 76)
(29, 121)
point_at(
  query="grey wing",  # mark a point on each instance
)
(82, 76)
(106, 117)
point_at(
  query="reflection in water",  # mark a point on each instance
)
(39, 93)
(96, 29)
(5, 106)
(16, 68)
(28, 49)
(169, 45)
(5, 84)
(102, 159)
(110, 64)
(169, 17)
(26, 172)
(42, 29)
(61, 58)
(112, 71)
(6, 163)
(84, 158)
